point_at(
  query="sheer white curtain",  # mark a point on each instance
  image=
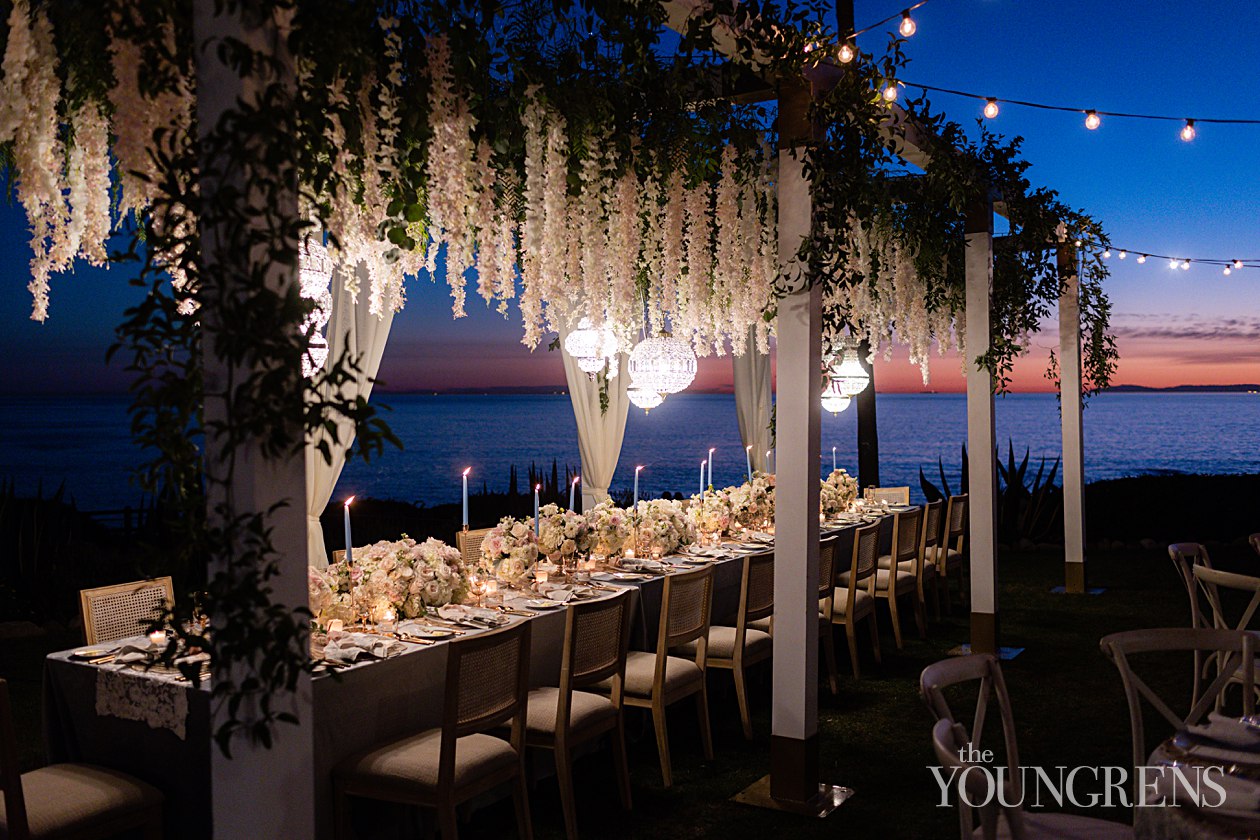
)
(752, 400)
(351, 326)
(599, 433)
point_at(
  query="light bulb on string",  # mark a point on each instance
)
(991, 108)
(1124, 254)
(847, 53)
(1227, 271)
(1078, 243)
(890, 92)
(1141, 258)
(1185, 266)
(1187, 131)
(1107, 254)
(1238, 264)
(908, 26)
(1173, 263)
(1092, 120)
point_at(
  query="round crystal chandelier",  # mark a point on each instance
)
(849, 377)
(833, 400)
(644, 399)
(315, 270)
(587, 344)
(663, 364)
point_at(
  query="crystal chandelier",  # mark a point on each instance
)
(849, 377)
(587, 345)
(314, 279)
(663, 364)
(833, 399)
(644, 399)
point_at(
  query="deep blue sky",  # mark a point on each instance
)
(1152, 191)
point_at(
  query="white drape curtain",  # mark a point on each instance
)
(752, 400)
(599, 433)
(351, 326)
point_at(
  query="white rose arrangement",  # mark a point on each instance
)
(663, 526)
(404, 576)
(563, 534)
(838, 493)
(752, 503)
(710, 513)
(510, 550)
(610, 528)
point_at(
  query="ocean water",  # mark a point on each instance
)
(84, 441)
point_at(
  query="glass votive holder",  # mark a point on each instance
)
(541, 578)
(157, 638)
(493, 595)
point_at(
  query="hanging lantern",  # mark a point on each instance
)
(849, 377)
(644, 399)
(314, 279)
(663, 364)
(833, 399)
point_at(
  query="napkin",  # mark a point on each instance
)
(1228, 732)
(472, 616)
(134, 654)
(564, 594)
(354, 647)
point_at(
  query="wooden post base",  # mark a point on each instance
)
(1074, 578)
(984, 633)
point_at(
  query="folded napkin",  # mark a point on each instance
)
(134, 654)
(472, 616)
(1228, 732)
(355, 647)
(564, 594)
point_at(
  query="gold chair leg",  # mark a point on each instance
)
(741, 697)
(829, 656)
(850, 633)
(702, 708)
(662, 743)
(564, 777)
(520, 798)
(622, 766)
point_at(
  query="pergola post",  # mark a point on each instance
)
(981, 443)
(1070, 413)
(257, 792)
(867, 427)
(794, 715)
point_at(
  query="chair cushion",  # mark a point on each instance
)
(863, 603)
(763, 624)
(905, 580)
(641, 668)
(413, 761)
(1063, 827)
(585, 709)
(65, 799)
(722, 642)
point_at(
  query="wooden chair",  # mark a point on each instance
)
(1185, 557)
(897, 579)
(891, 495)
(933, 515)
(71, 801)
(596, 638)
(339, 555)
(1212, 581)
(123, 610)
(854, 600)
(740, 647)
(948, 555)
(826, 608)
(1234, 649)
(951, 737)
(657, 680)
(487, 680)
(469, 544)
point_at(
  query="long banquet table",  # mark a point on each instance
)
(158, 729)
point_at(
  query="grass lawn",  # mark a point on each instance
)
(1068, 703)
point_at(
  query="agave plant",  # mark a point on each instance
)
(1024, 511)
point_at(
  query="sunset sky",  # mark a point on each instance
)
(1152, 191)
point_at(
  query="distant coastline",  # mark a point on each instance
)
(1185, 389)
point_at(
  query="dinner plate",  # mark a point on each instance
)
(543, 604)
(433, 633)
(89, 653)
(629, 576)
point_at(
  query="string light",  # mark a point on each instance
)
(1173, 263)
(1185, 266)
(1124, 254)
(1141, 258)
(847, 53)
(908, 26)
(1228, 271)
(1092, 120)
(890, 92)
(1107, 254)
(991, 108)
(1238, 263)
(1103, 250)
(1187, 131)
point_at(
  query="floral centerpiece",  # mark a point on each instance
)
(710, 512)
(752, 503)
(404, 576)
(663, 526)
(838, 493)
(510, 550)
(610, 528)
(563, 534)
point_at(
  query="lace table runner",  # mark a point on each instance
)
(161, 704)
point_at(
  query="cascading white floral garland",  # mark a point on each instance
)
(886, 301)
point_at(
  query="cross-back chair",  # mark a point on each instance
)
(900, 570)
(949, 557)
(854, 599)
(1185, 556)
(596, 640)
(487, 680)
(469, 544)
(952, 739)
(1233, 649)
(122, 610)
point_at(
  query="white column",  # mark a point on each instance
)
(982, 469)
(794, 715)
(258, 792)
(1070, 411)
